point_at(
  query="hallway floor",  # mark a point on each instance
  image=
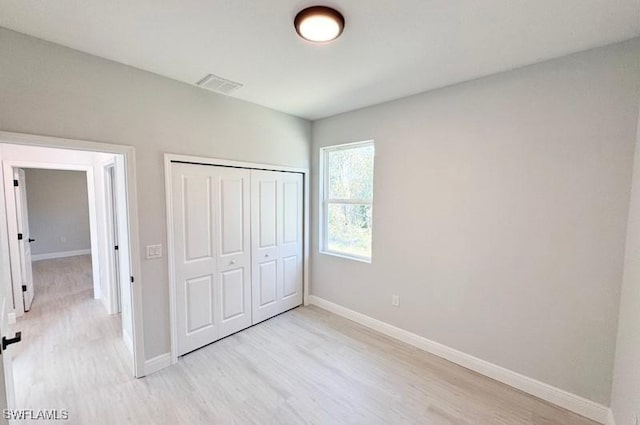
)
(71, 347)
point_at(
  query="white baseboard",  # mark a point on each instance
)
(557, 396)
(61, 254)
(11, 318)
(156, 363)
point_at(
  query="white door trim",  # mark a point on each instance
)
(128, 152)
(168, 158)
(8, 168)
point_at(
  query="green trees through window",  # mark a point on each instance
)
(348, 197)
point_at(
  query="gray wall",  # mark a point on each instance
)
(500, 210)
(625, 397)
(48, 89)
(58, 208)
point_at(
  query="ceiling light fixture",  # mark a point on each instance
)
(319, 24)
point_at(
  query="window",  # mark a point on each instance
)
(347, 200)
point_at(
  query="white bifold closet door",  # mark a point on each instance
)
(238, 249)
(276, 237)
(212, 250)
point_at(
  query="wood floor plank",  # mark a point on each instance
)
(306, 366)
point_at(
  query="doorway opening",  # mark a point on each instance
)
(68, 237)
(53, 222)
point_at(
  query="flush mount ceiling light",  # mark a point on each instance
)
(319, 24)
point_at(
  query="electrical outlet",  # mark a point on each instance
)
(63, 239)
(153, 251)
(395, 300)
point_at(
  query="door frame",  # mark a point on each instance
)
(129, 171)
(168, 159)
(14, 249)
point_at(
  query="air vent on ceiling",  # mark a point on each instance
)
(219, 84)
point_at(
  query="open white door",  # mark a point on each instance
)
(123, 257)
(24, 237)
(112, 235)
(7, 392)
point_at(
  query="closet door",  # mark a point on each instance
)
(277, 231)
(211, 225)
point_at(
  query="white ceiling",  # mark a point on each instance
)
(389, 49)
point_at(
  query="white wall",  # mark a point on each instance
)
(625, 397)
(499, 216)
(51, 90)
(58, 210)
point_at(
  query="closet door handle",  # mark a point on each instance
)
(232, 262)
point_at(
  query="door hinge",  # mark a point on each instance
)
(24, 288)
(15, 183)
(8, 341)
(132, 280)
(115, 247)
(19, 236)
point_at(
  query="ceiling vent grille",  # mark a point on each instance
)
(219, 84)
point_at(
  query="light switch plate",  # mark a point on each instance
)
(153, 251)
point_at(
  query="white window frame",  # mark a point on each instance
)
(325, 201)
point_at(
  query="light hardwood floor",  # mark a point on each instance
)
(306, 366)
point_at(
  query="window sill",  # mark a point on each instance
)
(347, 257)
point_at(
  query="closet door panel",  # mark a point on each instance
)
(234, 259)
(198, 215)
(264, 231)
(233, 294)
(212, 264)
(193, 191)
(199, 303)
(291, 239)
(291, 202)
(267, 211)
(290, 276)
(276, 203)
(268, 281)
(232, 214)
